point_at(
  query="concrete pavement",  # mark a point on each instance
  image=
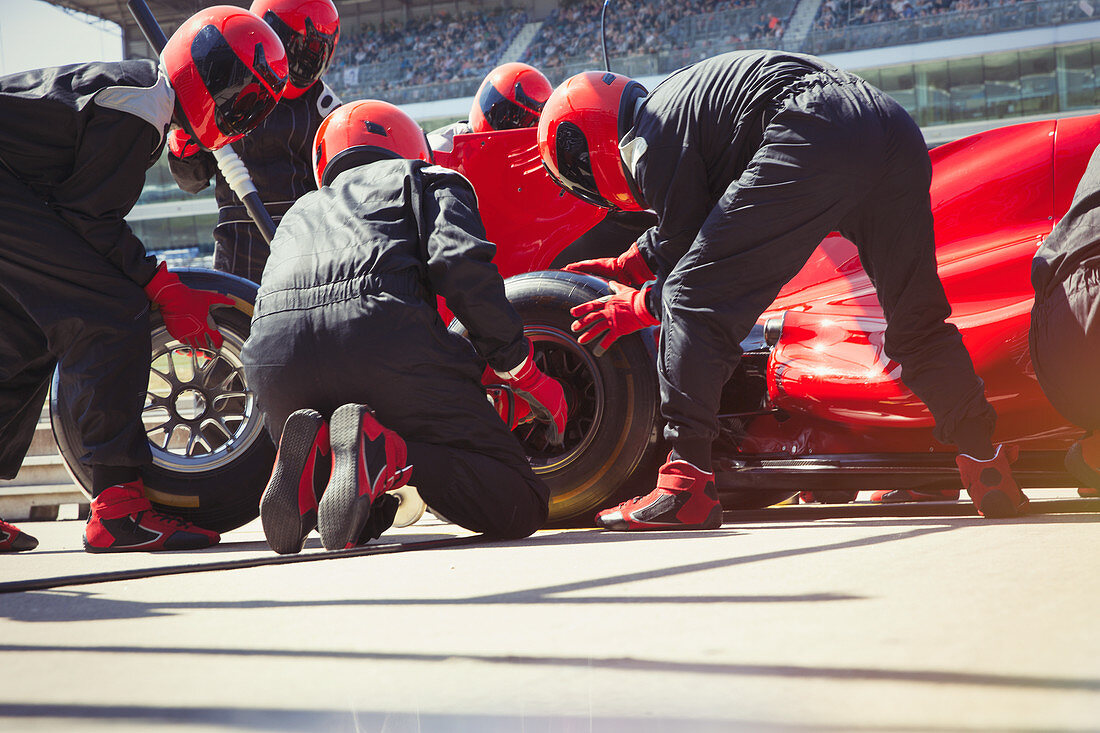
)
(856, 617)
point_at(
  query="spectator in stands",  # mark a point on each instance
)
(279, 152)
(769, 137)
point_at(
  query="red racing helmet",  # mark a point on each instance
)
(578, 138)
(228, 69)
(369, 130)
(309, 29)
(512, 96)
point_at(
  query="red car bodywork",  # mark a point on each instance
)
(995, 196)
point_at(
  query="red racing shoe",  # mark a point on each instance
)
(288, 507)
(685, 498)
(898, 496)
(123, 520)
(991, 486)
(367, 461)
(13, 539)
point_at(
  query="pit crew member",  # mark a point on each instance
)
(352, 365)
(749, 160)
(277, 153)
(1065, 323)
(76, 284)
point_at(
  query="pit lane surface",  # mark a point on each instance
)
(856, 617)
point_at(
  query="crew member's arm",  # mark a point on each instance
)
(676, 188)
(461, 269)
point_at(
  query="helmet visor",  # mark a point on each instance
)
(574, 162)
(503, 114)
(241, 99)
(308, 54)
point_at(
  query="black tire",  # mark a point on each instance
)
(612, 398)
(212, 475)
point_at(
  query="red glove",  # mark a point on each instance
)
(504, 400)
(619, 314)
(180, 144)
(544, 395)
(628, 268)
(186, 311)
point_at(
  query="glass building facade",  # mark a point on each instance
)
(994, 86)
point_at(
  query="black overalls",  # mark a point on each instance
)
(75, 143)
(347, 313)
(750, 159)
(1065, 320)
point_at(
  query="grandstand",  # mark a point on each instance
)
(958, 66)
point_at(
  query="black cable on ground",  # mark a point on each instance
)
(21, 586)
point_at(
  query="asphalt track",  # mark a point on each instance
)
(850, 618)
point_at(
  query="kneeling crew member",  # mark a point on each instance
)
(1065, 323)
(75, 283)
(749, 160)
(352, 364)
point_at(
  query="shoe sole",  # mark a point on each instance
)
(713, 521)
(997, 505)
(279, 511)
(342, 512)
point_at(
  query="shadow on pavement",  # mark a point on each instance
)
(352, 721)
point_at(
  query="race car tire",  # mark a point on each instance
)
(612, 397)
(211, 454)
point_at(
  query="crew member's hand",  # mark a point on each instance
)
(186, 311)
(180, 144)
(512, 411)
(612, 316)
(628, 268)
(543, 395)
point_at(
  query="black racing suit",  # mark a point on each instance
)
(279, 157)
(346, 313)
(75, 143)
(1065, 320)
(749, 160)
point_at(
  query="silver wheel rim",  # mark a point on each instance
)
(199, 414)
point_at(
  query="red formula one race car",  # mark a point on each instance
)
(814, 404)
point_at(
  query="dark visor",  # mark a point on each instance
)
(504, 114)
(307, 53)
(575, 166)
(241, 100)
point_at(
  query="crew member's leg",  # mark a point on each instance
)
(893, 230)
(800, 183)
(1065, 351)
(95, 321)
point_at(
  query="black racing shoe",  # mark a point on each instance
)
(13, 539)
(123, 520)
(288, 507)
(367, 460)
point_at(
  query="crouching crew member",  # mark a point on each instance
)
(510, 98)
(353, 366)
(278, 153)
(749, 160)
(1065, 323)
(75, 282)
